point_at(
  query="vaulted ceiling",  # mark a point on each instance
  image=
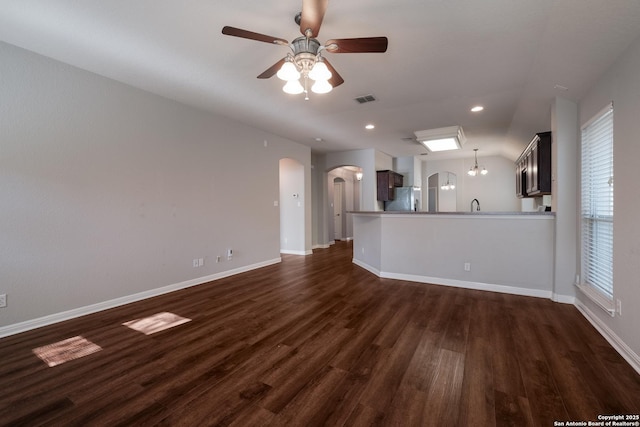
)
(511, 56)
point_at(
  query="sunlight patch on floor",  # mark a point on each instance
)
(156, 323)
(66, 350)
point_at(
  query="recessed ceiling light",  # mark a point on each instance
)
(318, 139)
(369, 126)
(560, 87)
(477, 108)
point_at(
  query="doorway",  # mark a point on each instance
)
(442, 196)
(338, 210)
(344, 196)
(292, 207)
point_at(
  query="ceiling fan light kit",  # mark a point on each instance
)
(320, 71)
(321, 86)
(305, 61)
(293, 87)
(288, 72)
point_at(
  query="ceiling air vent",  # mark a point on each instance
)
(365, 98)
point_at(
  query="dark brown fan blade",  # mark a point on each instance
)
(336, 79)
(271, 71)
(237, 32)
(312, 14)
(361, 45)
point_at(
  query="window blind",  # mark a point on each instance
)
(597, 203)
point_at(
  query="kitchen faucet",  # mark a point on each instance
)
(478, 202)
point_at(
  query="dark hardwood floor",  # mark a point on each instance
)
(319, 341)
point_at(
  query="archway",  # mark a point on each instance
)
(344, 195)
(442, 195)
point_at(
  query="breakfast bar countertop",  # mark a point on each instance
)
(452, 213)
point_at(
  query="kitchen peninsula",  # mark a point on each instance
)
(510, 252)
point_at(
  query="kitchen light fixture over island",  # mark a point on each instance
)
(475, 170)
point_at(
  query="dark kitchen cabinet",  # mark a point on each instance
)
(387, 182)
(521, 177)
(533, 167)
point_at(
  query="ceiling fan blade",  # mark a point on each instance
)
(237, 32)
(336, 79)
(312, 14)
(271, 71)
(360, 45)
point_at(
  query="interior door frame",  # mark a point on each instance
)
(338, 209)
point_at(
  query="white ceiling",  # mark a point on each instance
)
(444, 57)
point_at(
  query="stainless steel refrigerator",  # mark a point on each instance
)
(407, 199)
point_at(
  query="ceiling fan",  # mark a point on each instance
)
(305, 61)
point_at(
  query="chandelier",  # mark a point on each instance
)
(302, 64)
(448, 185)
(475, 170)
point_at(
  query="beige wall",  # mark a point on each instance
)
(433, 248)
(496, 191)
(622, 86)
(108, 191)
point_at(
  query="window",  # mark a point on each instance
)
(597, 208)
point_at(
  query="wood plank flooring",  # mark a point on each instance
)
(319, 341)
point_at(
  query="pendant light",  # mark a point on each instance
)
(475, 170)
(448, 185)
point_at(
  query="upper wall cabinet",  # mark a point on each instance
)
(387, 183)
(533, 167)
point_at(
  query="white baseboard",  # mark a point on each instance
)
(616, 342)
(288, 252)
(469, 285)
(563, 299)
(327, 246)
(28, 325)
(566, 299)
(366, 266)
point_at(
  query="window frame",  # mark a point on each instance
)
(597, 209)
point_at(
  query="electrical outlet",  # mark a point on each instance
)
(619, 307)
(200, 262)
(195, 262)
(467, 266)
(3, 300)
(229, 253)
